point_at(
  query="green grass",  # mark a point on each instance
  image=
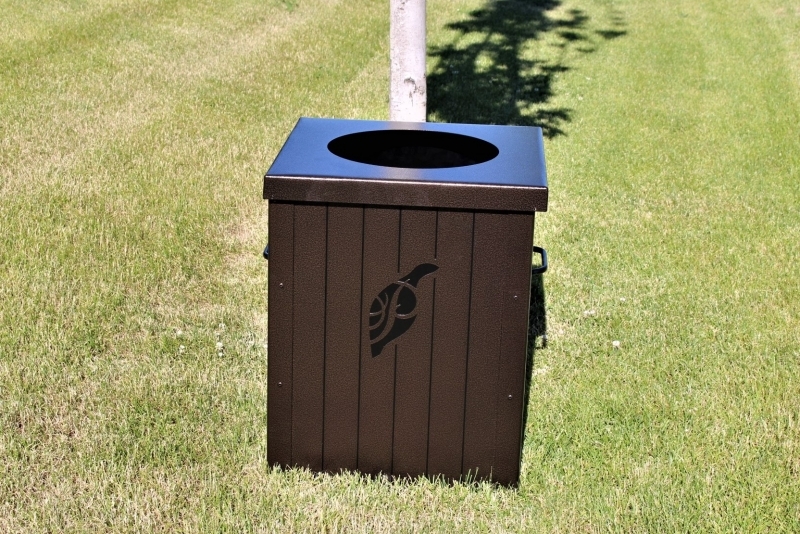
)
(133, 138)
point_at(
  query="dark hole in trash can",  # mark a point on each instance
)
(413, 149)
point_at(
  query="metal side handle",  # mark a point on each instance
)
(543, 267)
(266, 252)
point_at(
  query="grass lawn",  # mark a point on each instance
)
(133, 138)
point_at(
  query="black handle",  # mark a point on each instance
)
(266, 252)
(543, 267)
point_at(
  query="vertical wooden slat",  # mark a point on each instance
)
(376, 403)
(513, 346)
(484, 345)
(279, 371)
(417, 247)
(343, 337)
(450, 330)
(309, 334)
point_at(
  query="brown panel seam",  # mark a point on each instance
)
(394, 409)
(525, 392)
(325, 332)
(430, 374)
(436, 238)
(430, 362)
(394, 378)
(360, 336)
(466, 365)
(500, 359)
(399, 238)
(291, 383)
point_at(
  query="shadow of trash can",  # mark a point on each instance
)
(399, 280)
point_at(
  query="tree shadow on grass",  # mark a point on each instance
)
(488, 74)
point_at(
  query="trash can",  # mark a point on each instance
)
(399, 279)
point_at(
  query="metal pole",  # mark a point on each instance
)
(407, 51)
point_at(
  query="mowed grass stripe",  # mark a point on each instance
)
(192, 166)
(106, 75)
(137, 181)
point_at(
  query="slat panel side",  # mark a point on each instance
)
(418, 269)
(376, 404)
(279, 333)
(449, 340)
(343, 337)
(513, 347)
(309, 335)
(484, 345)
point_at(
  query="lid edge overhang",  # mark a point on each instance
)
(407, 193)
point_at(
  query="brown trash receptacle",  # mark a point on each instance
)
(399, 281)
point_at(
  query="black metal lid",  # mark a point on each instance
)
(464, 166)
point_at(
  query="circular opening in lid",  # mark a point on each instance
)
(413, 149)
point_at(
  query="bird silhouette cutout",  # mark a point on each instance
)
(394, 310)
